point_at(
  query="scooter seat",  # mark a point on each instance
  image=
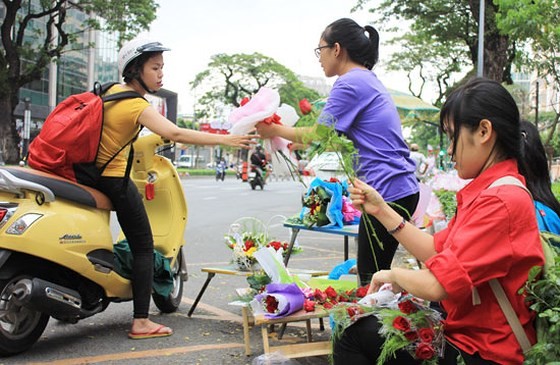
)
(64, 188)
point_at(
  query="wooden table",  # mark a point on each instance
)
(230, 270)
(291, 350)
(346, 231)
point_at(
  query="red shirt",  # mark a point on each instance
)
(494, 235)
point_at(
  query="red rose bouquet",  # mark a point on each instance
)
(413, 327)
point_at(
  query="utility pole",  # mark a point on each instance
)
(480, 61)
(537, 104)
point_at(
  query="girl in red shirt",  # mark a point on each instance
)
(494, 235)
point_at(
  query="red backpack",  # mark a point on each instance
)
(69, 140)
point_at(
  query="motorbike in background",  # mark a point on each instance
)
(256, 177)
(220, 171)
(56, 245)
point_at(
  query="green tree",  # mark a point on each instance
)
(37, 32)
(443, 38)
(230, 78)
(536, 24)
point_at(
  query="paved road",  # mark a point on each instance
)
(213, 335)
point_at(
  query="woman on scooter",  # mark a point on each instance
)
(141, 66)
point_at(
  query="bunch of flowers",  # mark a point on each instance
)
(327, 204)
(413, 327)
(282, 247)
(330, 297)
(243, 246)
(278, 300)
(316, 201)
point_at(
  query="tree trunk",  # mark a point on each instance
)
(9, 138)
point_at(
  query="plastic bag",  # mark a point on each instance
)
(274, 358)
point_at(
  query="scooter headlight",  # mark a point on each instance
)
(23, 223)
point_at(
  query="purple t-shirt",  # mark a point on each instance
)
(364, 111)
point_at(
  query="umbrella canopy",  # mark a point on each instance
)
(412, 108)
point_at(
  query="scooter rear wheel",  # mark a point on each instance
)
(170, 303)
(20, 327)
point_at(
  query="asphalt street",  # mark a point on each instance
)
(214, 334)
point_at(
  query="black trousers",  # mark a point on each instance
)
(133, 219)
(366, 257)
(361, 343)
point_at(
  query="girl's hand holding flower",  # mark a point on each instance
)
(365, 196)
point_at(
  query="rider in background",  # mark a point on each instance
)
(259, 161)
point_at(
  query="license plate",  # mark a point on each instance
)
(252, 174)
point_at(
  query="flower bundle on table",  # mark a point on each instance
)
(330, 297)
(244, 245)
(326, 203)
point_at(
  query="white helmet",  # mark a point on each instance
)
(134, 48)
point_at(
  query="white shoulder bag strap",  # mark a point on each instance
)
(497, 288)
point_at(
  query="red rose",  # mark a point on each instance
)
(331, 292)
(361, 291)
(309, 305)
(319, 296)
(275, 244)
(328, 305)
(249, 244)
(271, 304)
(343, 298)
(424, 351)
(273, 119)
(407, 307)
(411, 335)
(426, 334)
(244, 101)
(354, 310)
(305, 106)
(402, 324)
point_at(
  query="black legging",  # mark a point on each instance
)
(366, 263)
(361, 343)
(135, 225)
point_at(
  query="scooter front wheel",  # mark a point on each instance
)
(20, 327)
(171, 302)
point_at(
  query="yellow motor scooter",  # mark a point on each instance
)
(56, 246)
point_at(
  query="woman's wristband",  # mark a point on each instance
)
(397, 228)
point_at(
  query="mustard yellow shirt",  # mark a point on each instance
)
(120, 125)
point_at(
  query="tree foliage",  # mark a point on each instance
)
(230, 78)
(536, 24)
(442, 40)
(35, 33)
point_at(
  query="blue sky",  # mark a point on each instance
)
(286, 30)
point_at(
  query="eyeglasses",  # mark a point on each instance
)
(318, 49)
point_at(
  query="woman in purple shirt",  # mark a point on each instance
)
(361, 108)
